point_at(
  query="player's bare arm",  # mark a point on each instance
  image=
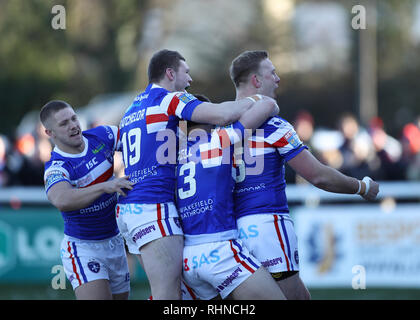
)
(330, 179)
(66, 198)
(260, 111)
(220, 114)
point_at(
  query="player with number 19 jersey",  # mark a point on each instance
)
(148, 141)
(153, 111)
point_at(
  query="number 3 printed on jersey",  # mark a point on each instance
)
(131, 146)
(188, 179)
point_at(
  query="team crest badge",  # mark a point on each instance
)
(94, 266)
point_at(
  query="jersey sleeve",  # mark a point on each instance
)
(111, 137)
(282, 136)
(230, 134)
(180, 104)
(55, 172)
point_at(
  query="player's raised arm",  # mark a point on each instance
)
(66, 198)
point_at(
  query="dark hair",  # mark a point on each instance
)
(200, 97)
(161, 61)
(51, 108)
(245, 64)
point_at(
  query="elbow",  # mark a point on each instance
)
(61, 204)
(226, 118)
(275, 110)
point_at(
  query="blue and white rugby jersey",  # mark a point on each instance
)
(148, 135)
(265, 192)
(205, 184)
(94, 165)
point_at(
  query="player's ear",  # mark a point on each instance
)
(48, 132)
(170, 74)
(255, 81)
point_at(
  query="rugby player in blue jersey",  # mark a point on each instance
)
(216, 263)
(79, 181)
(260, 199)
(147, 216)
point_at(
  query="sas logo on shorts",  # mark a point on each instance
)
(94, 266)
(132, 208)
(296, 257)
(205, 259)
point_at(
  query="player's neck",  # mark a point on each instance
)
(245, 92)
(168, 85)
(71, 149)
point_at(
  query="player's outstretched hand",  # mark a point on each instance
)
(372, 189)
(117, 185)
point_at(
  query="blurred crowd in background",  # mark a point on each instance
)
(351, 148)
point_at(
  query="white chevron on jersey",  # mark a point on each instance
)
(102, 172)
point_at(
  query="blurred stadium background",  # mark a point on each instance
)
(351, 93)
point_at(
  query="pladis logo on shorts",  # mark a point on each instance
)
(142, 232)
(94, 266)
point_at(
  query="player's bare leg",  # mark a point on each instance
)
(162, 262)
(294, 288)
(259, 286)
(94, 290)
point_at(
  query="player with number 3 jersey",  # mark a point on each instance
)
(215, 261)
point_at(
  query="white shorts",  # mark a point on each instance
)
(271, 238)
(88, 260)
(142, 223)
(217, 268)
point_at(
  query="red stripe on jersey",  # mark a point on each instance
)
(243, 263)
(224, 138)
(173, 105)
(154, 118)
(102, 178)
(280, 143)
(276, 224)
(159, 220)
(73, 263)
(209, 154)
(259, 144)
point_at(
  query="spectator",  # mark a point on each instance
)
(410, 141)
(388, 150)
(357, 149)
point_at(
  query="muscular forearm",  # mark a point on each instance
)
(332, 180)
(220, 114)
(68, 199)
